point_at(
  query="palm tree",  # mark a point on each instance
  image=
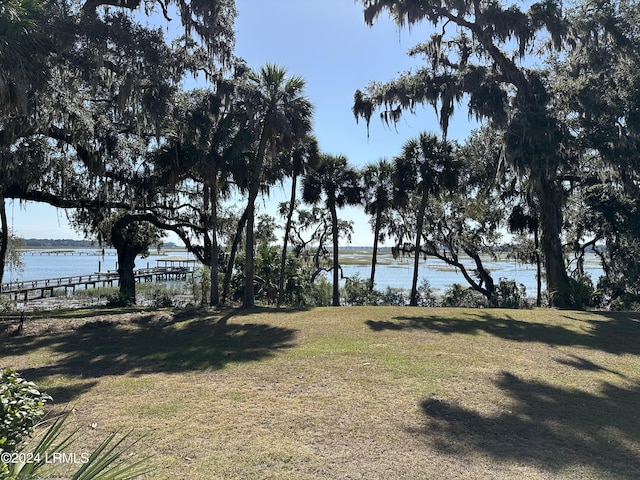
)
(340, 185)
(303, 156)
(206, 148)
(426, 167)
(378, 186)
(282, 115)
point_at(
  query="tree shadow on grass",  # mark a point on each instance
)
(611, 332)
(147, 344)
(550, 427)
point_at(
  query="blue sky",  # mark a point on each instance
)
(328, 44)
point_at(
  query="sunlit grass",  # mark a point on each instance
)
(361, 392)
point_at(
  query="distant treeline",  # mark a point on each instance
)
(58, 242)
(69, 243)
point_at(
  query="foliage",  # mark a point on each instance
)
(7, 304)
(424, 170)
(425, 297)
(103, 463)
(357, 291)
(22, 408)
(458, 296)
(579, 293)
(281, 117)
(160, 298)
(266, 268)
(335, 181)
(394, 296)
(511, 295)
(319, 293)
(199, 284)
(478, 54)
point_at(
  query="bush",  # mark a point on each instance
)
(395, 296)
(21, 408)
(200, 284)
(319, 293)
(510, 295)
(426, 298)
(7, 304)
(579, 294)
(458, 296)
(356, 292)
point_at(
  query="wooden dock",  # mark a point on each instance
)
(24, 290)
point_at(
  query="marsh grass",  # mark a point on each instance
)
(359, 392)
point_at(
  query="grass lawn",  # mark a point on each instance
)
(352, 392)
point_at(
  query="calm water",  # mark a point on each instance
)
(40, 264)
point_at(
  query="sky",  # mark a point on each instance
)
(329, 45)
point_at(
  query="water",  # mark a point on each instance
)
(41, 264)
(399, 273)
(47, 263)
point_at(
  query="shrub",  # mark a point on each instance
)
(319, 293)
(510, 295)
(7, 304)
(579, 294)
(458, 296)
(395, 296)
(356, 292)
(426, 297)
(21, 408)
(200, 285)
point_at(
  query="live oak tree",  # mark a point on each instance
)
(24, 49)
(98, 82)
(478, 54)
(594, 85)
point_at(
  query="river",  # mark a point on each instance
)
(50, 263)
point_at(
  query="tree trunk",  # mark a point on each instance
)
(232, 256)
(254, 187)
(336, 265)
(416, 258)
(374, 258)
(285, 242)
(4, 237)
(248, 299)
(126, 264)
(536, 240)
(214, 297)
(549, 196)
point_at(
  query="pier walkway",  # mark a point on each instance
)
(24, 290)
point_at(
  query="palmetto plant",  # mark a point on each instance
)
(378, 192)
(425, 167)
(101, 464)
(340, 185)
(282, 116)
(21, 407)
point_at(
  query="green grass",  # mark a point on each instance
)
(360, 392)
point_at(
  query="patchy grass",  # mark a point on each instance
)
(359, 392)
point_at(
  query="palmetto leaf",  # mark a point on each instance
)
(104, 463)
